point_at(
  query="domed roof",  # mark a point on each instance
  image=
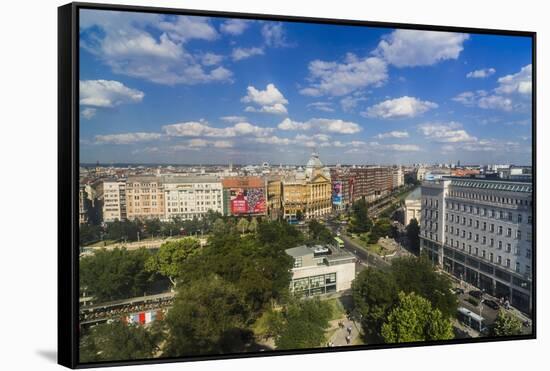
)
(314, 161)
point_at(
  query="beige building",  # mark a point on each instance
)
(145, 197)
(274, 198)
(114, 200)
(307, 192)
(321, 270)
(191, 197)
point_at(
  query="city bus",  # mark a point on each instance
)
(339, 242)
(471, 319)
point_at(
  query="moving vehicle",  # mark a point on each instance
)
(472, 320)
(339, 242)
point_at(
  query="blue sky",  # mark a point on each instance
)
(193, 90)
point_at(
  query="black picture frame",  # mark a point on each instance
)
(68, 167)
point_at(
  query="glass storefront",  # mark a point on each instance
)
(315, 285)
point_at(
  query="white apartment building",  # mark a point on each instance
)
(114, 200)
(398, 177)
(481, 232)
(190, 197)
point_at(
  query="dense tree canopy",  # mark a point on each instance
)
(209, 316)
(381, 228)
(374, 294)
(506, 325)
(117, 341)
(418, 275)
(414, 319)
(303, 324)
(171, 255)
(115, 274)
(318, 233)
(360, 222)
(413, 235)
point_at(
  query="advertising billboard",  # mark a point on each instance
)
(247, 201)
(337, 193)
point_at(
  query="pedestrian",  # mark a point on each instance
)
(349, 330)
(348, 339)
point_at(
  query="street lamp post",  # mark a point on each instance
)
(481, 308)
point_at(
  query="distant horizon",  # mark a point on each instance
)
(172, 89)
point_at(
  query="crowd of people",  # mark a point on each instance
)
(99, 313)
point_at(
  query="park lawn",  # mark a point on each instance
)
(375, 249)
(102, 243)
(337, 308)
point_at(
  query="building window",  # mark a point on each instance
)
(499, 259)
(484, 240)
(499, 245)
(508, 247)
(491, 242)
(528, 253)
(509, 232)
(519, 218)
(499, 229)
(518, 235)
(298, 262)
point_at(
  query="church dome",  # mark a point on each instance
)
(314, 161)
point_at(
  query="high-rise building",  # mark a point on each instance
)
(114, 200)
(372, 182)
(189, 197)
(481, 232)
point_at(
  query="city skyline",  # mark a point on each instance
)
(199, 90)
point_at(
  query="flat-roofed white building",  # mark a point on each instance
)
(189, 197)
(321, 270)
(412, 207)
(481, 232)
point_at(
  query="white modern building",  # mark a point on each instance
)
(412, 207)
(481, 232)
(191, 196)
(321, 270)
(114, 200)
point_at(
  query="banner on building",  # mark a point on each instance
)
(337, 193)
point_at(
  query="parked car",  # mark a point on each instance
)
(459, 291)
(476, 294)
(491, 304)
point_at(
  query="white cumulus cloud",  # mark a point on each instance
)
(520, 82)
(451, 132)
(234, 27)
(337, 79)
(481, 74)
(126, 138)
(321, 124)
(409, 48)
(202, 129)
(403, 107)
(393, 134)
(107, 93)
(244, 53)
(270, 100)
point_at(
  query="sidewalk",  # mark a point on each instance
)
(339, 336)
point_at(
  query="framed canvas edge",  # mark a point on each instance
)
(68, 167)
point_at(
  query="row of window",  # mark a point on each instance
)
(517, 249)
(499, 230)
(491, 213)
(491, 198)
(499, 260)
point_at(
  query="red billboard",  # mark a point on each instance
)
(247, 201)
